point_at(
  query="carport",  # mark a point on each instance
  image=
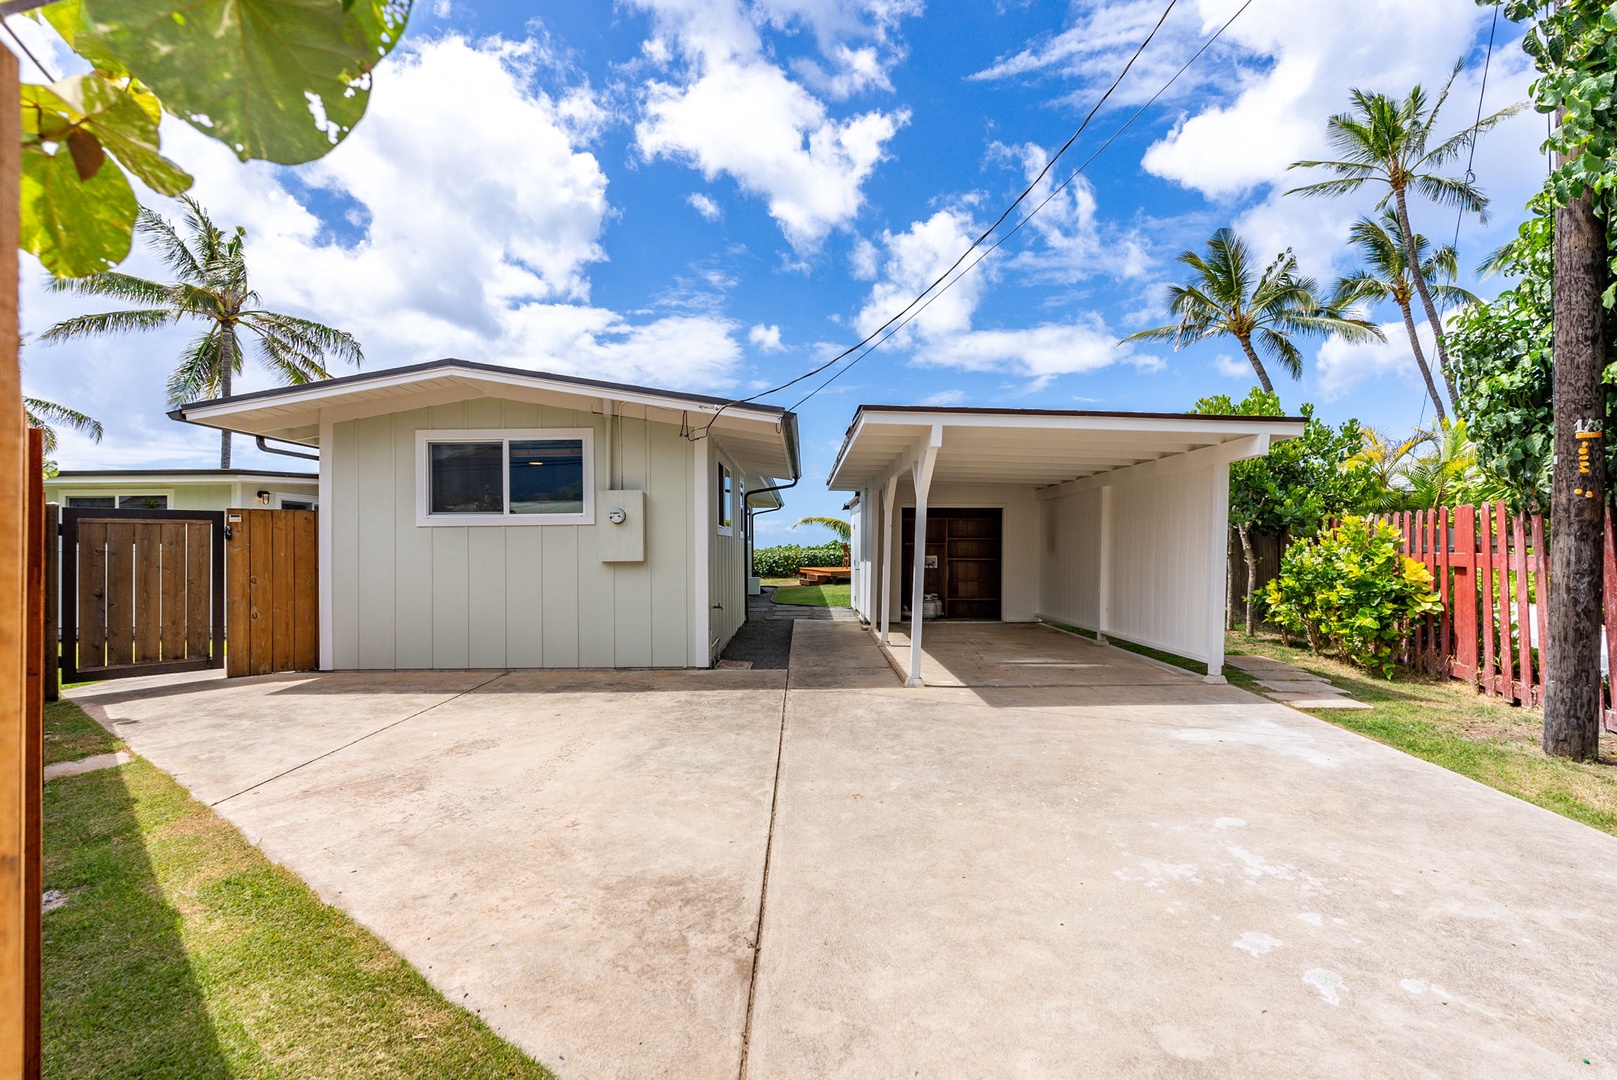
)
(1113, 522)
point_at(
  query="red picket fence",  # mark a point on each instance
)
(1491, 568)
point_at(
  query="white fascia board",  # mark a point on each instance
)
(1224, 453)
(168, 480)
(315, 394)
(1282, 428)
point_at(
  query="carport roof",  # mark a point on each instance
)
(1030, 446)
(762, 437)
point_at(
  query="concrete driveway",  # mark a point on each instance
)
(1075, 863)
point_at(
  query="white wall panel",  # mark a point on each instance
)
(496, 596)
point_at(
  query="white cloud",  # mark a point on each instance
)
(732, 111)
(704, 206)
(1342, 367)
(1072, 243)
(1297, 71)
(944, 398)
(1232, 367)
(766, 338)
(481, 255)
(944, 335)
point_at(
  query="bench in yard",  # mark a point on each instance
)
(823, 575)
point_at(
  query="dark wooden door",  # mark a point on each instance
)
(964, 550)
(274, 589)
(142, 592)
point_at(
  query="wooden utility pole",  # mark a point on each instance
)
(19, 896)
(1578, 491)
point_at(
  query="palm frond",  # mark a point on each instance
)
(842, 529)
(163, 240)
(197, 376)
(108, 322)
(118, 286)
(48, 415)
(1278, 347)
(316, 338)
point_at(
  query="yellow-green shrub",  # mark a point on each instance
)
(1352, 591)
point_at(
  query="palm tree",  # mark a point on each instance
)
(210, 271)
(843, 529)
(1386, 276)
(1264, 316)
(1388, 143)
(47, 416)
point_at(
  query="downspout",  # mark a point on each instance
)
(268, 449)
(788, 420)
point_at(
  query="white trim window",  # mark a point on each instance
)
(725, 503)
(500, 476)
(135, 499)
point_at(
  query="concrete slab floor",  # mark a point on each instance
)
(1080, 864)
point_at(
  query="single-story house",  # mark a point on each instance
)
(183, 489)
(1113, 522)
(475, 516)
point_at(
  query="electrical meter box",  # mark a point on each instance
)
(620, 526)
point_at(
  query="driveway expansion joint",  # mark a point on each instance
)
(360, 739)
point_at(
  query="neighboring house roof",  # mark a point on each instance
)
(192, 476)
(1034, 446)
(763, 437)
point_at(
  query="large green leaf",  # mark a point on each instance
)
(76, 227)
(281, 80)
(122, 121)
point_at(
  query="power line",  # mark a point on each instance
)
(1476, 128)
(1040, 206)
(974, 244)
(43, 70)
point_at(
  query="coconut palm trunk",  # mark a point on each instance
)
(1420, 359)
(1257, 366)
(227, 365)
(1413, 255)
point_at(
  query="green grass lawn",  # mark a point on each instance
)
(1450, 723)
(70, 735)
(814, 595)
(183, 952)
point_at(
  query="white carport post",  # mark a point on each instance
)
(889, 494)
(925, 460)
(1218, 564)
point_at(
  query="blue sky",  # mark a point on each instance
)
(716, 194)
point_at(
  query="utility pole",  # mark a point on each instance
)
(1578, 490)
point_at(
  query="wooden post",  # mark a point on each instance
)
(34, 755)
(53, 601)
(1578, 484)
(15, 899)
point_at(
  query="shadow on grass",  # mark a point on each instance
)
(121, 999)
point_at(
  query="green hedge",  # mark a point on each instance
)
(787, 559)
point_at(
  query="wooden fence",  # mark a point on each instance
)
(1491, 568)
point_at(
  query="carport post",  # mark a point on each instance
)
(889, 494)
(924, 463)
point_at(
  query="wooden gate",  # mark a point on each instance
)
(274, 591)
(142, 592)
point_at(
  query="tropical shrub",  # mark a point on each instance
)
(787, 559)
(1352, 591)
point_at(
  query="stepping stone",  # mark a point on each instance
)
(89, 764)
(1260, 665)
(1300, 685)
(1315, 701)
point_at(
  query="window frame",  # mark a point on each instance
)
(66, 493)
(724, 502)
(425, 437)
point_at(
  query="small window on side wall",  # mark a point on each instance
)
(531, 477)
(726, 501)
